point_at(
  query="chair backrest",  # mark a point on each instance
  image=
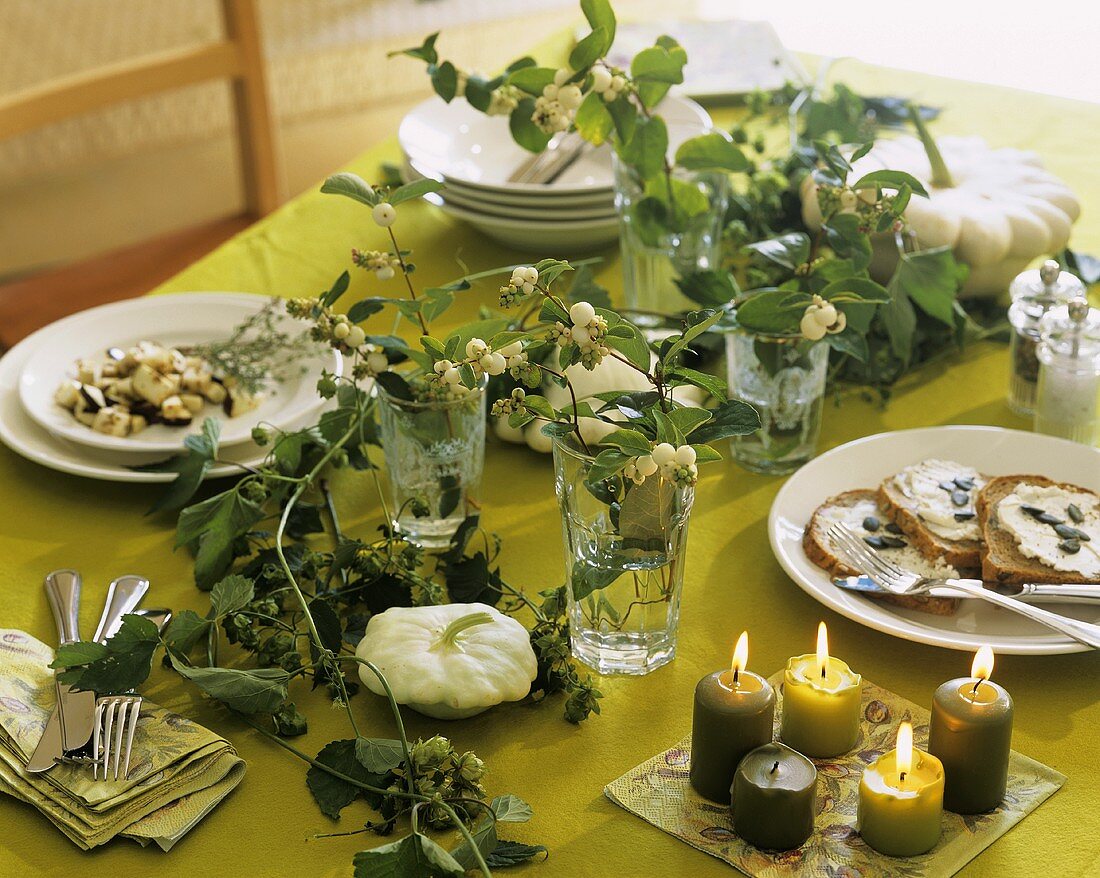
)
(238, 58)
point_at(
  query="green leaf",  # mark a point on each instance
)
(658, 64)
(850, 289)
(82, 652)
(425, 51)
(414, 856)
(931, 279)
(412, 190)
(646, 150)
(590, 49)
(445, 81)
(711, 151)
(698, 323)
(608, 463)
(585, 579)
(899, 320)
(332, 793)
(338, 288)
(890, 180)
(328, 625)
(850, 342)
(350, 186)
(539, 405)
(394, 385)
(631, 442)
(635, 347)
(765, 311)
(705, 454)
(714, 289)
(192, 467)
(379, 755)
(124, 665)
(532, 80)
(625, 116)
(644, 514)
(712, 384)
(524, 131)
(788, 251)
(584, 288)
(600, 14)
(185, 630)
(731, 418)
(510, 808)
(211, 528)
(259, 690)
(512, 853)
(231, 594)
(593, 119)
(689, 418)
(478, 92)
(551, 269)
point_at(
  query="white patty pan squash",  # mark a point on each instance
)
(450, 661)
(998, 209)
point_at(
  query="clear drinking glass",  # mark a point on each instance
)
(435, 452)
(653, 258)
(624, 564)
(783, 378)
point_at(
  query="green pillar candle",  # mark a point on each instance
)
(821, 703)
(734, 712)
(971, 733)
(900, 811)
(774, 798)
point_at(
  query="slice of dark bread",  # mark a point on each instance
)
(1001, 559)
(854, 507)
(961, 554)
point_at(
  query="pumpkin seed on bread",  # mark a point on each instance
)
(1069, 527)
(860, 510)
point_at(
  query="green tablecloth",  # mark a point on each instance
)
(266, 828)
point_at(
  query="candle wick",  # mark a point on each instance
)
(902, 777)
(736, 673)
(977, 683)
(823, 672)
(775, 767)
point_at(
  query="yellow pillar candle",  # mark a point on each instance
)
(821, 703)
(901, 800)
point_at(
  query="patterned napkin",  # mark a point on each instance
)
(179, 771)
(658, 791)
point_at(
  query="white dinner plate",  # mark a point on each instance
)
(540, 212)
(181, 319)
(530, 201)
(27, 438)
(456, 142)
(555, 237)
(866, 462)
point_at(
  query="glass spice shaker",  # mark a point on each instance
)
(1034, 292)
(1068, 400)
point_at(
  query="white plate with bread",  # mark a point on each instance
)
(978, 501)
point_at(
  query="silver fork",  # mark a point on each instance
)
(116, 717)
(856, 553)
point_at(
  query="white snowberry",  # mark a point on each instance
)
(550, 92)
(476, 348)
(561, 75)
(356, 336)
(570, 96)
(512, 350)
(647, 466)
(497, 364)
(809, 325)
(530, 274)
(384, 273)
(838, 326)
(377, 362)
(618, 83)
(826, 314)
(451, 376)
(581, 335)
(340, 331)
(384, 214)
(685, 455)
(442, 366)
(581, 313)
(664, 454)
(601, 79)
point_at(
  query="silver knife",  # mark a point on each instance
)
(63, 590)
(1056, 593)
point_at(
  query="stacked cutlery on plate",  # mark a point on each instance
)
(561, 202)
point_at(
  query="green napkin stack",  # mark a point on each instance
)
(179, 771)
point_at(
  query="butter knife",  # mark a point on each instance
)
(1068, 593)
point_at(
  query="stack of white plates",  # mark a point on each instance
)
(473, 155)
(33, 425)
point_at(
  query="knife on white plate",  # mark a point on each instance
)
(70, 723)
(1055, 593)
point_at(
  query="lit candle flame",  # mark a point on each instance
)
(740, 655)
(822, 648)
(905, 750)
(983, 664)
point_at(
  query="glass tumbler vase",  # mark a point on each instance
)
(624, 564)
(783, 378)
(435, 453)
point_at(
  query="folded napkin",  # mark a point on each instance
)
(179, 771)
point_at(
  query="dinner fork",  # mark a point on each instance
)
(856, 553)
(117, 714)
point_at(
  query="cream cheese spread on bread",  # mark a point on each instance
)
(942, 493)
(1018, 514)
(904, 556)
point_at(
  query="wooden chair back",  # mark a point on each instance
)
(238, 58)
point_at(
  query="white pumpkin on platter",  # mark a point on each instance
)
(997, 209)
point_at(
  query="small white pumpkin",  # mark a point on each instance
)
(998, 209)
(450, 661)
